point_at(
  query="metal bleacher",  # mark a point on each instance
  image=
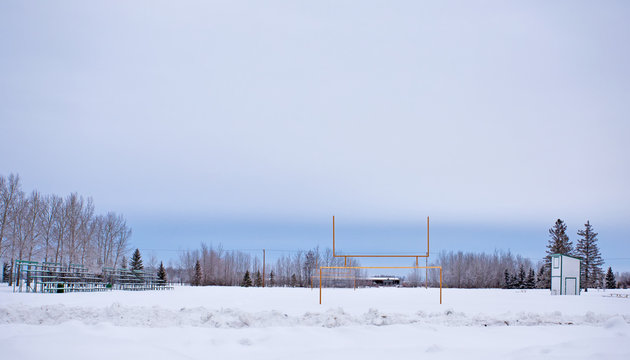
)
(49, 277)
(135, 280)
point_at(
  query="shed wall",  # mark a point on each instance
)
(565, 275)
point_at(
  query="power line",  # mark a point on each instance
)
(534, 259)
(215, 249)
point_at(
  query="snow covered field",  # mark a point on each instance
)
(279, 323)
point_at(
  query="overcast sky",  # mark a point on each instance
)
(240, 119)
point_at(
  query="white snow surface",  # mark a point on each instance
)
(276, 323)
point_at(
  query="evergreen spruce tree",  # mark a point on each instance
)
(247, 280)
(136, 261)
(521, 277)
(507, 279)
(542, 279)
(5, 272)
(610, 279)
(530, 281)
(258, 280)
(587, 249)
(124, 262)
(272, 278)
(198, 275)
(559, 243)
(513, 281)
(293, 280)
(161, 274)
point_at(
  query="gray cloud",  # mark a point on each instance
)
(508, 113)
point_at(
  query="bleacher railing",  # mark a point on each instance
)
(49, 277)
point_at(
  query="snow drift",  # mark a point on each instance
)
(156, 316)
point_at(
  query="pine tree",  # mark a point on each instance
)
(587, 249)
(247, 280)
(124, 262)
(271, 278)
(558, 242)
(197, 278)
(293, 280)
(530, 281)
(136, 261)
(161, 274)
(610, 279)
(258, 280)
(521, 277)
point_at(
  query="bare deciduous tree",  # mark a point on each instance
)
(54, 229)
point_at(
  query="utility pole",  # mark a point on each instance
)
(426, 262)
(263, 277)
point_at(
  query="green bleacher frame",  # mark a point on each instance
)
(49, 277)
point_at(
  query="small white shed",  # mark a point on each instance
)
(565, 275)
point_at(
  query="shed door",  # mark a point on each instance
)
(555, 285)
(570, 286)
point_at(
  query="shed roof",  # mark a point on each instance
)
(383, 278)
(571, 256)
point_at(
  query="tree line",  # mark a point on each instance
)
(215, 266)
(470, 270)
(212, 265)
(58, 229)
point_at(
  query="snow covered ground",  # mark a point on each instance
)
(278, 323)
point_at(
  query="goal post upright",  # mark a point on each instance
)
(346, 256)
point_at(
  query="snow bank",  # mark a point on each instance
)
(235, 307)
(156, 316)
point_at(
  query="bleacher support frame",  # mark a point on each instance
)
(135, 280)
(49, 277)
